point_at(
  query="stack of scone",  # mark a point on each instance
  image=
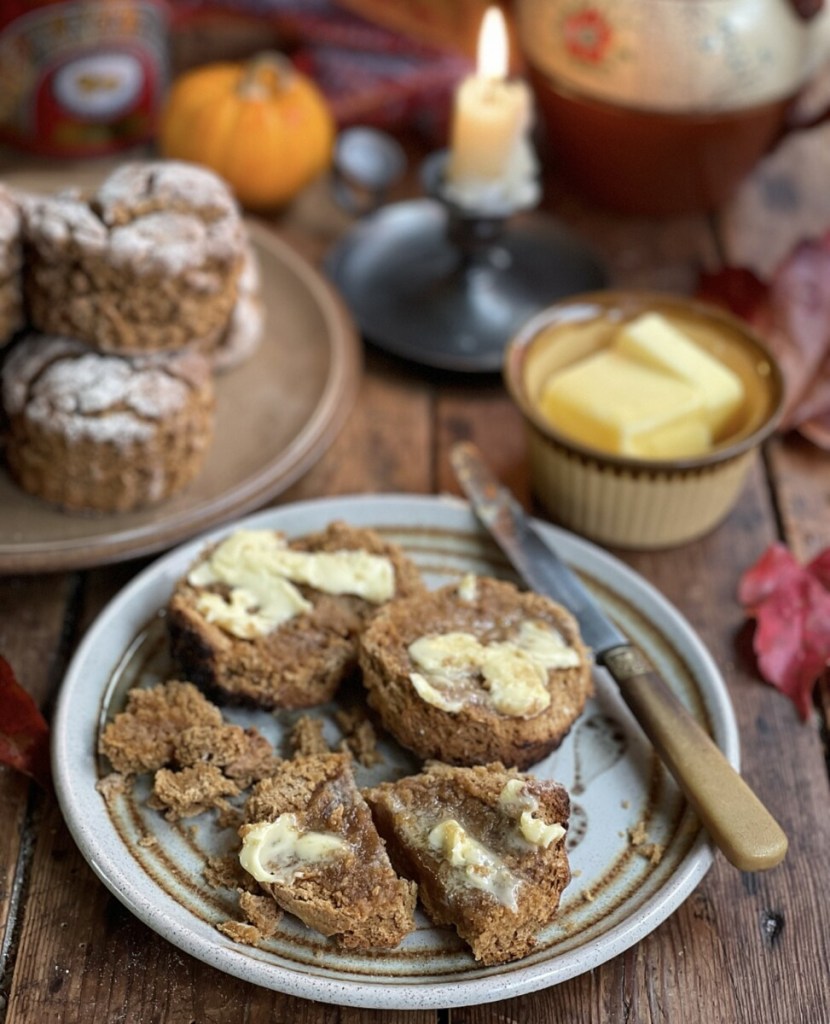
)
(477, 679)
(133, 296)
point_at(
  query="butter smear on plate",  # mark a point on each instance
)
(652, 393)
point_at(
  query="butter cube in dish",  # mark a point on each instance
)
(643, 413)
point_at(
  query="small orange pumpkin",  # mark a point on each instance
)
(263, 126)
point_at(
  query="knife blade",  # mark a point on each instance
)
(738, 823)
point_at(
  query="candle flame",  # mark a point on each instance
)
(492, 45)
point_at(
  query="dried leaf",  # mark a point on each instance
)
(792, 313)
(791, 605)
(24, 734)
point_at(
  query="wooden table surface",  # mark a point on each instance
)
(743, 949)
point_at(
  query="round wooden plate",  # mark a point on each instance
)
(276, 415)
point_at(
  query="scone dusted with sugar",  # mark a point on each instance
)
(476, 672)
(101, 433)
(309, 840)
(486, 847)
(275, 622)
(243, 334)
(148, 263)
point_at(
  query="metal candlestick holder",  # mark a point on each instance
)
(445, 286)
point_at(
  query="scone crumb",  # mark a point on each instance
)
(588, 895)
(190, 791)
(148, 842)
(654, 852)
(360, 738)
(244, 755)
(143, 737)
(240, 932)
(111, 787)
(307, 738)
(228, 816)
(261, 912)
(638, 835)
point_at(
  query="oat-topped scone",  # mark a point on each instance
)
(309, 840)
(486, 847)
(103, 433)
(275, 622)
(148, 263)
(11, 262)
(476, 672)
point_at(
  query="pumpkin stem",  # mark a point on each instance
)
(265, 75)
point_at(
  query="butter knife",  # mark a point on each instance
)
(735, 818)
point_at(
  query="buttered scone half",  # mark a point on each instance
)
(486, 847)
(476, 672)
(275, 622)
(310, 842)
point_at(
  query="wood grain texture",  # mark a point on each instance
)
(33, 615)
(742, 949)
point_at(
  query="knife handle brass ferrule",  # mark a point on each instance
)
(735, 818)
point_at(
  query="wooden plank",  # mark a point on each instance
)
(801, 478)
(81, 952)
(32, 613)
(802, 492)
(765, 920)
(385, 445)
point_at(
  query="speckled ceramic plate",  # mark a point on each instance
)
(620, 889)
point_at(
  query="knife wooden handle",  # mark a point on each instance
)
(735, 818)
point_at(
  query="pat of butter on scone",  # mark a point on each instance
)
(276, 851)
(654, 341)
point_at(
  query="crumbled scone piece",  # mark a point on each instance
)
(111, 787)
(190, 791)
(240, 932)
(262, 918)
(143, 737)
(360, 738)
(244, 755)
(307, 738)
(227, 873)
(260, 911)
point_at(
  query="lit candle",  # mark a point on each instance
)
(489, 147)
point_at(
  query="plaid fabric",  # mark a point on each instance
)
(369, 73)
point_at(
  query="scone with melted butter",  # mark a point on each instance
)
(310, 842)
(486, 847)
(275, 622)
(476, 672)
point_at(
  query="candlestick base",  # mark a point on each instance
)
(447, 287)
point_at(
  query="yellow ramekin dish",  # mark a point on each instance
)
(622, 500)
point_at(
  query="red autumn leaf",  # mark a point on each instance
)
(737, 288)
(791, 605)
(791, 312)
(24, 734)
